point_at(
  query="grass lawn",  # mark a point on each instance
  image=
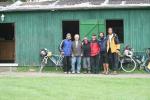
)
(74, 88)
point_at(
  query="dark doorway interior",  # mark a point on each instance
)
(7, 43)
(70, 27)
(118, 28)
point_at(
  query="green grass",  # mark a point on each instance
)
(74, 88)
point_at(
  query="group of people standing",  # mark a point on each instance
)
(99, 51)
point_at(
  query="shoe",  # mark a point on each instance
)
(85, 72)
(73, 72)
(114, 73)
(78, 72)
(65, 72)
(89, 72)
(69, 72)
(103, 72)
(107, 73)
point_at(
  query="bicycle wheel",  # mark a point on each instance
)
(128, 64)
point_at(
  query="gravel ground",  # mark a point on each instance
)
(37, 74)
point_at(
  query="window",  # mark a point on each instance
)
(71, 27)
(117, 26)
(7, 42)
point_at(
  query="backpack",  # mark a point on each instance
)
(148, 66)
(116, 38)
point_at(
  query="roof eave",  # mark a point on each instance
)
(130, 6)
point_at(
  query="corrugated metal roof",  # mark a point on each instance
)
(4, 4)
(129, 1)
(38, 3)
(137, 1)
(74, 4)
(95, 2)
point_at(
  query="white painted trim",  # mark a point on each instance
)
(8, 64)
(31, 8)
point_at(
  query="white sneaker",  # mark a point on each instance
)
(78, 72)
(69, 72)
(73, 72)
(65, 72)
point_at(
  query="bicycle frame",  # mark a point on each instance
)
(142, 63)
(56, 59)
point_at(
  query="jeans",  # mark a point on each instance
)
(76, 60)
(86, 63)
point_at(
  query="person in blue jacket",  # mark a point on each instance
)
(104, 54)
(66, 51)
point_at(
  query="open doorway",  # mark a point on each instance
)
(7, 43)
(118, 28)
(71, 27)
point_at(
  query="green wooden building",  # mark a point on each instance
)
(25, 28)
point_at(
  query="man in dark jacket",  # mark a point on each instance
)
(95, 50)
(86, 49)
(104, 53)
(66, 50)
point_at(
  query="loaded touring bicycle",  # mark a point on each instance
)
(47, 55)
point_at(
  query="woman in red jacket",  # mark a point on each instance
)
(95, 50)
